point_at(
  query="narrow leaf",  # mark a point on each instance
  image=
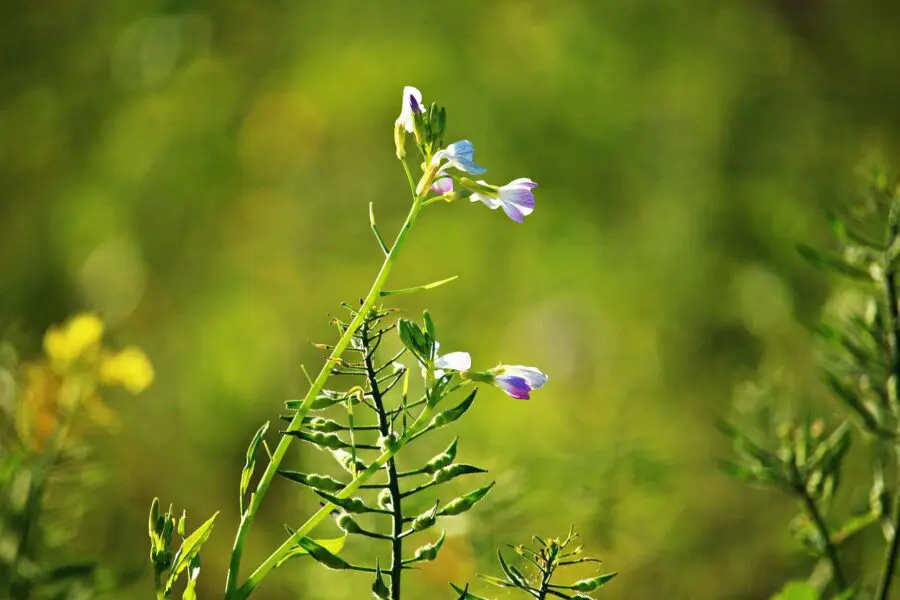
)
(250, 463)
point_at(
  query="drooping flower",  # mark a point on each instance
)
(459, 155)
(518, 381)
(515, 198)
(412, 104)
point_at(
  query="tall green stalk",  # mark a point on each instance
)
(232, 588)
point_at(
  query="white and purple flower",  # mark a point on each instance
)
(452, 361)
(518, 381)
(515, 198)
(411, 105)
(459, 155)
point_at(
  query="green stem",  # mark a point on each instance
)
(831, 556)
(231, 585)
(384, 426)
(890, 284)
(275, 558)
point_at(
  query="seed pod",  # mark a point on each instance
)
(464, 503)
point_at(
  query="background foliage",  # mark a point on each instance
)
(200, 173)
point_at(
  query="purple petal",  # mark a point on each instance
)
(414, 104)
(514, 386)
(521, 197)
(535, 378)
(513, 212)
(442, 186)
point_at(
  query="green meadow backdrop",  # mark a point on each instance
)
(200, 172)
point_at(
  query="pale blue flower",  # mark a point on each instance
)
(459, 155)
(515, 198)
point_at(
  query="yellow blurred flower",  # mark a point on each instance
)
(129, 368)
(78, 338)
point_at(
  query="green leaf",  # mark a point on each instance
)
(834, 263)
(419, 288)
(333, 545)
(464, 503)
(850, 398)
(322, 555)
(465, 594)
(414, 339)
(430, 330)
(496, 581)
(828, 454)
(250, 463)
(190, 590)
(797, 590)
(452, 414)
(189, 548)
(514, 574)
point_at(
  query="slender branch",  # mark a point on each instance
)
(545, 583)
(393, 480)
(830, 551)
(232, 581)
(890, 284)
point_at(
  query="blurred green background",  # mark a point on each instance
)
(199, 172)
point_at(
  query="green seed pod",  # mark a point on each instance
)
(379, 589)
(588, 585)
(346, 522)
(425, 520)
(453, 471)
(351, 505)
(464, 503)
(314, 480)
(429, 552)
(443, 459)
(384, 499)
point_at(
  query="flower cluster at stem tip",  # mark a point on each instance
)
(445, 169)
(444, 176)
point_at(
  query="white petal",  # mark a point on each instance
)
(457, 361)
(490, 202)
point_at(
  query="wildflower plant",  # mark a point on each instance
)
(539, 564)
(388, 395)
(46, 471)
(806, 457)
